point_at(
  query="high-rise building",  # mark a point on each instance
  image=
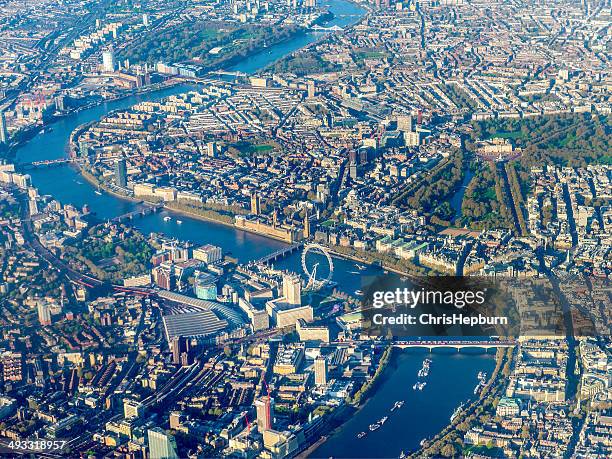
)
(292, 289)
(83, 149)
(181, 350)
(145, 20)
(33, 204)
(3, 130)
(121, 173)
(320, 367)
(161, 445)
(108, 61)
(255, 204)
(264, 407)
(312, 89)
(44, 313)
(212, 149)
(132, 409)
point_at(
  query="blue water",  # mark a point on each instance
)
(451, 381)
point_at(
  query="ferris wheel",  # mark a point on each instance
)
(311, 271)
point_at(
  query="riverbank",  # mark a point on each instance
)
(341, 418)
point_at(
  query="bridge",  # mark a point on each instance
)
(281, 253)
(456, 344)
(318, 28)
(228, 73)
(49, 163)
(141, 212)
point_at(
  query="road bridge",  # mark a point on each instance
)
(141, 212)
(456, 344)
(281, 253)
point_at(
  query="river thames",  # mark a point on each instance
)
(453, 374)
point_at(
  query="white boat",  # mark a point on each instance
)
(360, 267)
(374, 426)
(98, 193)
(361, 434)
(180, 222)
(358, 292)
(397, 405)
(167, 219)
(383, 420)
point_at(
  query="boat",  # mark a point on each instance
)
(416, 385)
(423, 441)
(360, 267)
(374, 426)
(167, 219)
(180, 222)
(397, 405)
(422, 385)
(402, 455)
(358, 292)
(456, 412)
(98, 193)
(361, 434)
(353, 272)
(383, 420)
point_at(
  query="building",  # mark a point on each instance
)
(11, 366)
(292, 290)
(285, 315)
(264, 408)
(205, 286)
(208, 254)
(132, 409)
(288, 359)
(312, 332)
(320, 367)
(121, 173)
(192, 324)
(164, 277)
(3, 130)
(161, 445)
(108, 61)
(255, 204)
(44, 313)
(145, 20)
(258, 317)
(181, 351)
(212, 149)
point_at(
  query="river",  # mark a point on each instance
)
(424, 414)
(451, 381)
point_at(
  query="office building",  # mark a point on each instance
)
(320, 367)
(265, 409)
(132, 409)
(212, 149)
(44, 313)
(181, 351)
(205, 286)
(208, 254)
(121, 173)
(161, 445)
(108, 61)
(292, 290)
